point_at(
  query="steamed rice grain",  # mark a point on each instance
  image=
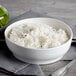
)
(37, 35)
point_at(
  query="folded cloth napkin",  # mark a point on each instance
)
(9, 64)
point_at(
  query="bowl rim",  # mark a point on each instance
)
(71, 32)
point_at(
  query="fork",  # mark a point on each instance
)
(62, 71)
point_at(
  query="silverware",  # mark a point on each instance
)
(62, 71)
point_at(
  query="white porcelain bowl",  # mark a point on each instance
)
(40, 56)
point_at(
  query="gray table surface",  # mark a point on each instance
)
(61, 9)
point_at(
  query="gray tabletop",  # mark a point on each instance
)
(60, 9)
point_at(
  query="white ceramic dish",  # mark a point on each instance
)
(40, 56)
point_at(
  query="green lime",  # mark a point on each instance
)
(4, 16)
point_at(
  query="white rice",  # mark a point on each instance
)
(37, 35)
